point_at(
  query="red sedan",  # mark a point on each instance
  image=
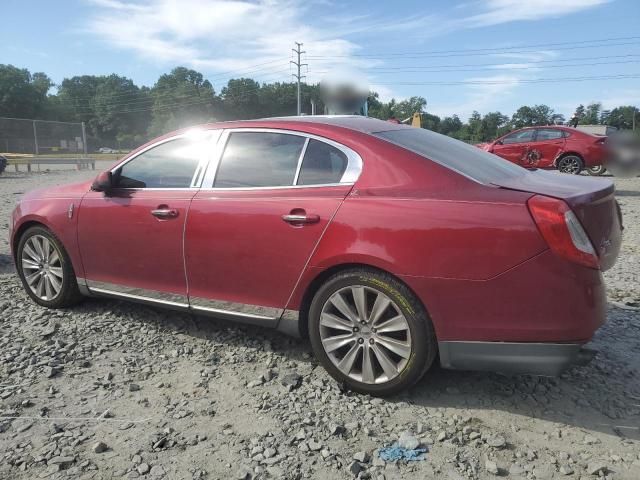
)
(567, 149)
(386, 245)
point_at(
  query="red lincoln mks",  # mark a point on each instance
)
(388, 246)
(567, 149)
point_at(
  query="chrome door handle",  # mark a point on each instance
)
(301, 218)
(164, 213)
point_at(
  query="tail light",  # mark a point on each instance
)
(562, 230)
(600, 141)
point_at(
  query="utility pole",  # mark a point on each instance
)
(298, 52)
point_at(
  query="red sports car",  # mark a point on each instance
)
(387, 245)
(567, 149)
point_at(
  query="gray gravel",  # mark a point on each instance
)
(115, 390)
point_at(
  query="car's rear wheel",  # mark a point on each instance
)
(45, 269)
(370, 332)
(570, 164)
(597, 170)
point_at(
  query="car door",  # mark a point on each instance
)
(131, 237)
(514, 147)
(547, 146)
(262, 210)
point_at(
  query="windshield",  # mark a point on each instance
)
(466, 159)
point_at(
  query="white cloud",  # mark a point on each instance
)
(485, 94)
(235, 37)
(220, 35)
(504, 11)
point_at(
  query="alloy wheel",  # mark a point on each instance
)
(365, 334)
(570, 165)
(42, 267)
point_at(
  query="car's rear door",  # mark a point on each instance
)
(514, 146)
(261, 211)
(131, 238)
(546, 146)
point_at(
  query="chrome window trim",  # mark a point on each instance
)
(196, 180)
(349, 177)
(300, 159)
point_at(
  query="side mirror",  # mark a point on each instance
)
(498, 142)
(103, 182)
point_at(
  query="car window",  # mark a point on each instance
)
(463, 158)
(259, 159)
(548, 134)
(322, 164)
(518, 137)
(169, 165)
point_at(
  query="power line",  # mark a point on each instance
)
(479, 51)
(526, 80)
(534, 62)
(513, 67)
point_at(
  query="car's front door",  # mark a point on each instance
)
(259, 215)
(514, 146)
(131, 237)
(547, 146)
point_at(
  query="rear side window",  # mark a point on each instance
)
(322, 164)
(466, 159)
(259, 159)
(518, 137)
(548, 134)
(169, 165)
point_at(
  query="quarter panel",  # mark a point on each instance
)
(431, 237)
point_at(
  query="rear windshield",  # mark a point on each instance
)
(466, 159)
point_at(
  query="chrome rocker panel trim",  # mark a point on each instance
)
(286, 321)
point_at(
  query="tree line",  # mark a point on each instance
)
(119, 113)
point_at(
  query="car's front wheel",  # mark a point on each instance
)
(45, 269)
(570, 164)
(370, 332)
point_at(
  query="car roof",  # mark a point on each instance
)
(353, 122)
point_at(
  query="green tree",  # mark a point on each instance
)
(406, 108)
(450, 125)
(22, 95)
(121, 112)
(622, 117)
(181, 98)
(592, 114)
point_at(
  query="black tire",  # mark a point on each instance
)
(423, 338)
(69, 293)
(596, 171)
(3, 164)
(571, 164)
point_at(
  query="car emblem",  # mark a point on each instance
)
(605, 244)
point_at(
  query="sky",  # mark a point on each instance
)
(484, 55)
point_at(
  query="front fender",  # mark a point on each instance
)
(58, 215)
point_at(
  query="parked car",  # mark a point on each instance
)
(386, 245)
(107, 150)
(565, 148)
(3, 163)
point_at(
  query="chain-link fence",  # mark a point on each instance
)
(41, 137)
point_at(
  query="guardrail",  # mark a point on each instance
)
(80, 163)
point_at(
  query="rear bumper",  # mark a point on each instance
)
(547, 359)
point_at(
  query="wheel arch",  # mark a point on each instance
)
(318, 280)
(23, 227)
(566, 154)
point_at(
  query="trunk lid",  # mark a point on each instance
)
(591, 199)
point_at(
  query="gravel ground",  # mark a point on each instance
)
(116, 390)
